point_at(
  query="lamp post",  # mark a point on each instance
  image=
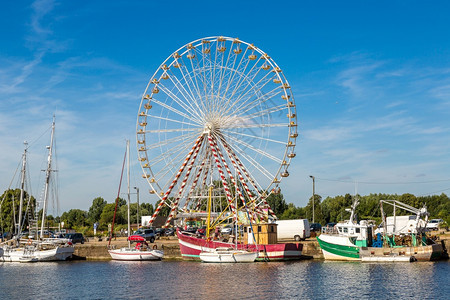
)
(137, 196)
(313, 200)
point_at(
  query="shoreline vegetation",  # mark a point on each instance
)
(330, 209)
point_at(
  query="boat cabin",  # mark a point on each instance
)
(359, 233)
(261, 234)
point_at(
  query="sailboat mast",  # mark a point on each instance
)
(128, 189)
(47, 178)
(22, 189)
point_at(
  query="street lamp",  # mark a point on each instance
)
(313, 200)
(137, 194)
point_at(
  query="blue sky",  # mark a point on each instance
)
(371, 80)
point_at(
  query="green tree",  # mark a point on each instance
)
(318, 215)
(9, 209)
(277, 203)
(74, 217)
(96, 209)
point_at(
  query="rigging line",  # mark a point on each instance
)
(433, 193)
(117, 198)
(393, 183)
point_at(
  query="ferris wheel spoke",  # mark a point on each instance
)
(249, 104)
(249, 126)
(194, 92)
(195, 110)
(266, 112)
(255, 164)
(191, 111)
(255, 137)
(172, 120)
(179, 138)
(256, 150)
(172, 130)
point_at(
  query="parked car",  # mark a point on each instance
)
(228, 229)
(169, 232)
(315, 227)
(147, 234)
(75, 237)
(434, 224)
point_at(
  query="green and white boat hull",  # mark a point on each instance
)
(338, 247)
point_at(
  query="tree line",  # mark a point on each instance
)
(331, 209)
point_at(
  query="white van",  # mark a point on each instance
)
(293, 229)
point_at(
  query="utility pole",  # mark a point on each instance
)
(313, 195)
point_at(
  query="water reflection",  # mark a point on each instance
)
(177, 280)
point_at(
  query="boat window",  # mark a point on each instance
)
(345, 229)
(271, 228)
(259, 228)
(339, 229)
(358, 230)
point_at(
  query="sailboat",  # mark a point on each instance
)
(227, 254)
(41, 248)
(141, 251)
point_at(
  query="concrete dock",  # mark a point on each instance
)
(98, 250)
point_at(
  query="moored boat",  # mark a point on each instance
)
(228, 255)
(350, 240)
(191, 246)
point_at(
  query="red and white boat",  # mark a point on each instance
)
(191, 246)
(140, 252)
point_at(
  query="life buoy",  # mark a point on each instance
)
(29, 242)
(155, 247)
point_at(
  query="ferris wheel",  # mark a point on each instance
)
(217, 109)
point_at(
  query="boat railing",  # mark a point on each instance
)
(330, 230)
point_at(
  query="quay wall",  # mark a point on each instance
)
(98, 250)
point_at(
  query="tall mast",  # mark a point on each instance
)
(47, 178)
(128, 188)
(22, 189)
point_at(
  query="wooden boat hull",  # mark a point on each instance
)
(132, 254)
(192, 246)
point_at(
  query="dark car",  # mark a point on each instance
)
(169, 232)
(315, 227)
(330, 225)
(75, 237)
(147, 234)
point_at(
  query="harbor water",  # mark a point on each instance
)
(310, 279)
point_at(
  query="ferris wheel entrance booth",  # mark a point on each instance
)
(260, 234)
